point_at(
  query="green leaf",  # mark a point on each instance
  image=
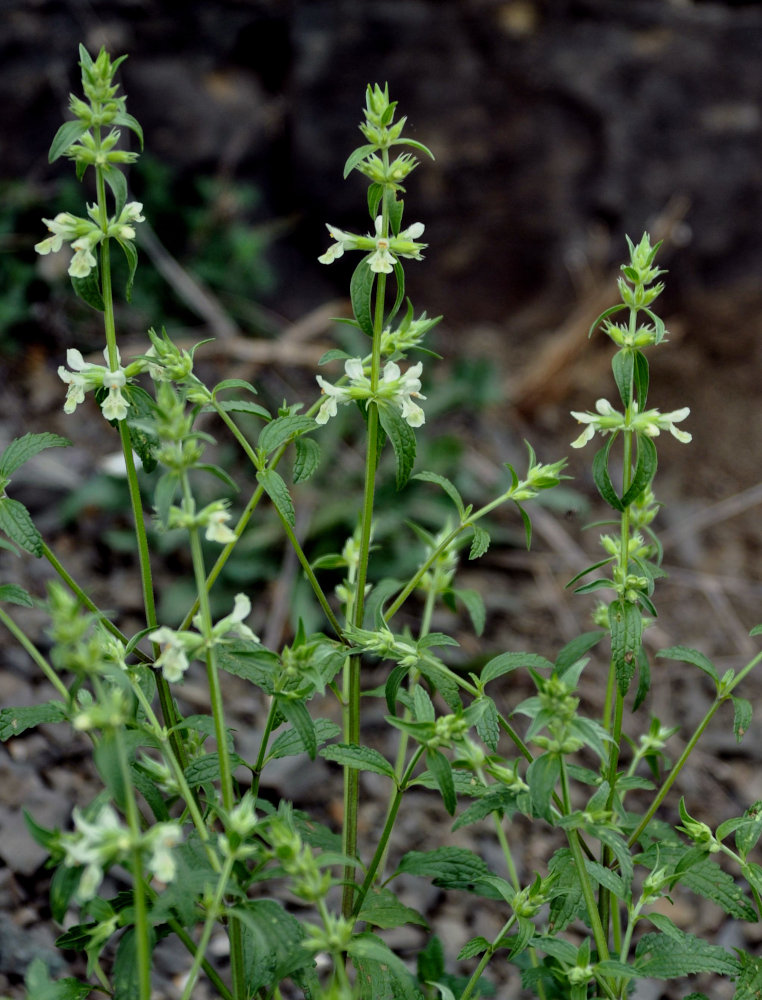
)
(281, 430)
(747, 835)
(402, 438)
(272, 944)
(542, 775)
(66, 136)
(474, 606)
(431, 964)
(126, 972)
(16, 523)
(382, 909)
(503, 801)
(645, 469)
(290, 743)
(441, 768)
(40, 986)
(379, 981)
(641, 379)
(476, 946)
(626, 623)
(11, 593)
(89, 290)
(448, 867)
(375, 194)
(361, 758)
(366, 947)
(662, 956)
(118, 184)
(17, 720)
(63, 885)
(573, 651)
(297, 714)
(207, 768)
(307, 458)
(22, 449)
(234, 383)
(237, 406)
(144, 442)
(357, 156)
(480, 542)
(127, 121)
(749, 982)
(131, 253)
(276, 489)
(360, 291)
(603, 479)
(487, 725)
(686, 655)
(742, 712)
(623, 364)
(446, 485)
(507, 662)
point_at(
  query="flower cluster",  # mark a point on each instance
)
(84, 235)
(607, 420)
(85, 376)
(383, 250)
(213, 518)
(179, 648)
(394, 388)
(103, 840)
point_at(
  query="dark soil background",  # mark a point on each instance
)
(558, 127)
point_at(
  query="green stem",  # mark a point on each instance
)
(20, 637)
(485, 959)
(220, 729)
(383, 841)
(211, 917)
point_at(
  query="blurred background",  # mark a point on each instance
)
(558, 126)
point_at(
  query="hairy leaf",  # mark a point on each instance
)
(22, 449)
(276, 489)
(448, 867)
(361, 758)
(16, 523)
(382, 909)
(290, 743)
(402, 438)
(661, 956)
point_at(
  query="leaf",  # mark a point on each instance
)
(602, 479)
(506, 662)
(622, 365)
(276, 489)
(573, 651)
(89, 290)
(207, 768)
(281, 430)
(237, 406)
(13, 594)
(448, 867)
(355, 157)
(645, 469)
(686, 655)
(17, 720)
(367, 947)
(501, 800)
(361, 758)
(297, 714)
(662, 956)
(360, 291)
(126, 971)
(118, 184)
(476, 946)
(626, 623)
(39, 985)
(749, 982)
(382, 909)
(474, 606)
(402, 438)
(125, 119)
(272, 941)
(16, 523)
(487, 725)
(307, 458)
(289, 743)
(66, 136)
(260, 666)
(131, 253)
(641, 379)
(378, 981)
(441, 768)
(479, 543)
(22, 449)
(742, 712)
(542, 775)
(446, 485)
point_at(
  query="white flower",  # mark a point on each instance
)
(123, 228)
(85, 376)
(393, 387)
(217, 529)
(173, 658)
(607, 420)
(232, 624)
(344, 241)
(161, 839)
(381, 261)
(63, 227)
(114, 406)
(83, 260)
